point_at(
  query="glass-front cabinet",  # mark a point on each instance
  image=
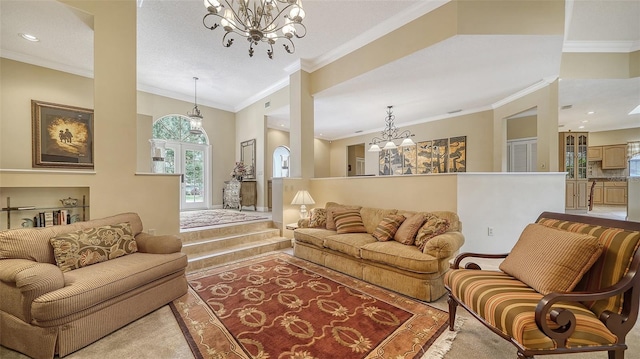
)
(573, 159)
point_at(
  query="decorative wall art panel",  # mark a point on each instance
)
(434, 156)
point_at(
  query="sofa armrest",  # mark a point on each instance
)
(444, 245)
(166, 244)
(471, 265)
(32, 279)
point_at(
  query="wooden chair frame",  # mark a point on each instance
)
(619, 324)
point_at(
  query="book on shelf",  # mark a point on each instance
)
(48, 219)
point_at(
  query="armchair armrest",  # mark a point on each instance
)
(471, 265)
(444, 245)
(32, 279)
(619, 324)
(166, 244)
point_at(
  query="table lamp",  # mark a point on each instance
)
(303, 198)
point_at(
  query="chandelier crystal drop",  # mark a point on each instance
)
(390, 134)
(195, 118)
(258, 21)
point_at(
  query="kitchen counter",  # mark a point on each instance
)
(612, 179)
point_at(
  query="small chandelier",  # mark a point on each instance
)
(390, 134)
(195, 118)
(259, 20)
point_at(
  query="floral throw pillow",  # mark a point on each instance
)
(93, 245)
(318, 218)
(387, 228)
(433, 226)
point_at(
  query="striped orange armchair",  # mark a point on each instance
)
(569, 285)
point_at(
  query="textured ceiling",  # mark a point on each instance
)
(467, 73)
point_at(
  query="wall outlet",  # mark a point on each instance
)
(490, 231)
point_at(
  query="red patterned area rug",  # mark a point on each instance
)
(277, 306)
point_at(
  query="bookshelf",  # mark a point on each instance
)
(37, 209)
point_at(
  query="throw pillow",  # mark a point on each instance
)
(388, 227)
(406, 234)
(349, 221)
(433, 226)
(318, 218)
(93, 245)
(551, 260)
(332, 208)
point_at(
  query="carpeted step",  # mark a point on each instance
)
(236, 252)
(198, 234)
(221, 243)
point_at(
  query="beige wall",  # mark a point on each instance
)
(522, 127)
(113, 186)
(615, 137)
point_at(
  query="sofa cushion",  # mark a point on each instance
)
(388, 226)
(33, 243)
(313, 236)
(509, 305)
(349, 221)
(92, 285)
(400, 256)
(331, 208)
(433, 226)
(349, 243)
(371, 217)
(318, 218)
(551, 260)
(93, 245)
(618, 248)
(406, 234)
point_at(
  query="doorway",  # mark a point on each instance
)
(355, 160)
(187, 154)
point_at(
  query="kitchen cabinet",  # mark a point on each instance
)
(615, 192)
(594, 153)
(614, 157)
(573, 161)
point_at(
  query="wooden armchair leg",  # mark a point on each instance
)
(453, 305)
(616, 354)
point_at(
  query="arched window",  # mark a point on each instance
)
(188, 154)
(281, 162)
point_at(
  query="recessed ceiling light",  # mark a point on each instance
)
(581, 127)
(566, 107)
(585, 121)
(591, 112)
(29, 37)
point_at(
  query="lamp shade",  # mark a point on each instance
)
(407, 142)
(303, 197)
(390, 146)
(375, 148)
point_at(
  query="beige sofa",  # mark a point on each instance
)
(389, 264)
(44, 310)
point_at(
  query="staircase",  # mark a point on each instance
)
(215, 246)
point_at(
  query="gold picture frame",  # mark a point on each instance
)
(62, 136)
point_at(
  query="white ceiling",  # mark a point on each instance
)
(467, 73)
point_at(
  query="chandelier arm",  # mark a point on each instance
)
(204, 22)
(229, 41)
(302, 26)
(286, 47)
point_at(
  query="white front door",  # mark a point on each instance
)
(191, 161)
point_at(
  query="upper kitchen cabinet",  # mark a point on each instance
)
(614, 157)
(594, 153)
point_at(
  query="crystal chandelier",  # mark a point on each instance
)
(195, 118)
(258, 20)
(390, 134)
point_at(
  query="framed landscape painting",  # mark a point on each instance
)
(62, 135)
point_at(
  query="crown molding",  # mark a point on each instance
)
(376, 32)
(601, 46)
(38, 61)
(527, 91)
(262, 94)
